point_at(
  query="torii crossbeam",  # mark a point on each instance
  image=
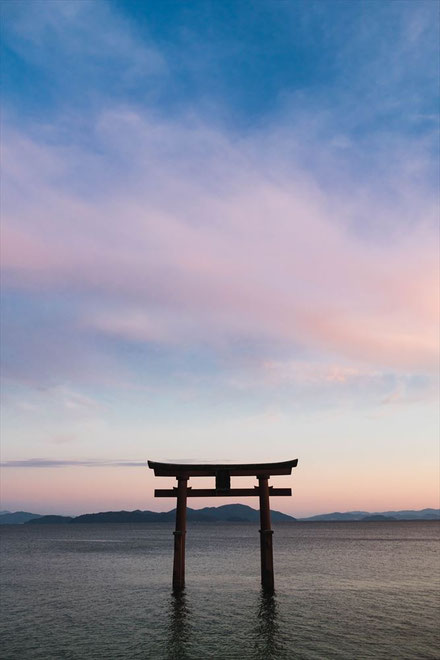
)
(223, 473)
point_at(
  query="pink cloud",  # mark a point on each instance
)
(212, 246)
(278, 372)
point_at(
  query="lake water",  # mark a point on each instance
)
(343, 590)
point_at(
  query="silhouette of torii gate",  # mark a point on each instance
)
(223, 474)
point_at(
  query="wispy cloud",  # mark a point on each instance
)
(90, 40)
(207, 245)
(54, 463)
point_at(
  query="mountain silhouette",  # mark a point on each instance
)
(17, 518)
(225, 513)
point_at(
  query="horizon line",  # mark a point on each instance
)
(353, 511)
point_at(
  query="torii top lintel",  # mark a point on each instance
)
(212, 470)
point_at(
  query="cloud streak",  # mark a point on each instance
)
(206, 245)
(55, 463)
(74, 31)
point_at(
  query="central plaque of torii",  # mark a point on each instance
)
(223, 473)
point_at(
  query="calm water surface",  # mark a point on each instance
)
(343, 590)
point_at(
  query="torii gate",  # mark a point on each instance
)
(223, 474)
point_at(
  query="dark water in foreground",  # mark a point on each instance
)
(343, 590)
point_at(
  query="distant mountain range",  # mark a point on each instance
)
(423, 514)
(225, 513)
(17, 518)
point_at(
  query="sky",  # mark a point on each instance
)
(220, 242)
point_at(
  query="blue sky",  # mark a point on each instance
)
(220, 241)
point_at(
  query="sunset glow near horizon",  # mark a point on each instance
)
(220, 242)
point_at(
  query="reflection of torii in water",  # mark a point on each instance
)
(223, 474)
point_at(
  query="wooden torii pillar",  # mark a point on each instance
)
(223, 473)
